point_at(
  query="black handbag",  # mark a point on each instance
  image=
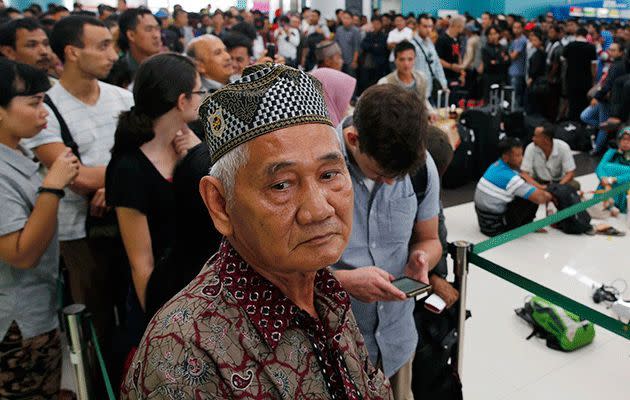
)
(95, 227)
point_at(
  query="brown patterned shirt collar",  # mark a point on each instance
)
(268, 309)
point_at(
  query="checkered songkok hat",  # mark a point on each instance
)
(267, 98)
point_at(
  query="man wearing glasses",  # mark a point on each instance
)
(427, 59)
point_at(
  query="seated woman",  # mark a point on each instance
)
(614, 168)
(150, 140)
(30, 347)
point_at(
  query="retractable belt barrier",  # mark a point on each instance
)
(568, 304)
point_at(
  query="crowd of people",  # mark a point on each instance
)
(321, 149)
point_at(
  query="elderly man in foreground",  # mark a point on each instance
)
(265, 318)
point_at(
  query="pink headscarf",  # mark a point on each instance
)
(338, 90)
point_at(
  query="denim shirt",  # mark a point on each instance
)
(27, 296)
(423, 66)
(381, 231)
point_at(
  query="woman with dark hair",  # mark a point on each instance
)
(537, 85)
(150, 139)
(30, 348)
(495, 59)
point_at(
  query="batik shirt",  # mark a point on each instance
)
(231, 334)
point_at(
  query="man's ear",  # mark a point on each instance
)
(213, 195)
(351, 136)
(8, 52)
(201, 67)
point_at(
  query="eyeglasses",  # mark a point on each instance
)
(199, 92)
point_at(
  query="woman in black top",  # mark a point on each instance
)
(150, 139)
(496, 61)
(537, 85)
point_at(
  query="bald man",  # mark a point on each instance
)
(213, 62)
(448, 49)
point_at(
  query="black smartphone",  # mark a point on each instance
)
(271, 50)
(411, 287)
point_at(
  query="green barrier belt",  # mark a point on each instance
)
(552, 219)
(101, 361)
(568, 304)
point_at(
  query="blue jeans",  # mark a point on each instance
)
(594, 116)
(520, 90)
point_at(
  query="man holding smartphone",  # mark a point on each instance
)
(288, 41)
(392, 234)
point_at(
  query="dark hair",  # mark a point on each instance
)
(69, 32)
(350, 13)
(581, 31)
(538, 34)
(319, 14)
(159, 82)
(403, 46)
(376, 18)
(493, 27)
(8, 31)
(234, 39)
(128, 21)
(177, 12)
(547, 130)
(245, 28)
(392, 126)
(507, 144)
(20, 80)
(557, 28)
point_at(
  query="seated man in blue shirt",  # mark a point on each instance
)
(503, 200)
(393, 235)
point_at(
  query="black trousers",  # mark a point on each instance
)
(518, 213)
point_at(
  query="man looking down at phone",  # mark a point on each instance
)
(393, 235)
(265, 318)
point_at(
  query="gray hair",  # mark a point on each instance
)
(458, 20)
(226, 167)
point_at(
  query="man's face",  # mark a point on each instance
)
(97, 56)
(217, 20)
(313, 18)
(240, 59)
(216, 62)
(146, 38)
(182, 19)
(335, 62)
(493, 36)
(624, 143)
(387, 21)
(515, 158)
(292, 207)
(485, 21)
(346, 20)
(377, 25)
(356, 21)
(535, 41)
(539, 138)
(517, 28)
(552, 34)
(425, 27)
(549, 18)
(615, 51)
(571, 27)
(31, 47)
(405, 61)
(399, 23)
(294, 22)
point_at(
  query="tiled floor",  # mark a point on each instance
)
(498, 362)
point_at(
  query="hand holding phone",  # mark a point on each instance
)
(411, 287)
(271, 50)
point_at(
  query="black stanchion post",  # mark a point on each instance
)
(77, 338)
(461, 249)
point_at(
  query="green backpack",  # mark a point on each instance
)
(561, 329)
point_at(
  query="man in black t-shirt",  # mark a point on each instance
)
(580, 58)
(448, 49)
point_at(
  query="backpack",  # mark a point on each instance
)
(566, 196)
(561, 329)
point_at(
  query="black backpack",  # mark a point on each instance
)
(566, 196)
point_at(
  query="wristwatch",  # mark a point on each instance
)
(57, 192)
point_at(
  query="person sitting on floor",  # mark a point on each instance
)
(548, 160)
(614, 168)
(503, 200)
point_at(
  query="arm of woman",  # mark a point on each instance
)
(134, 229)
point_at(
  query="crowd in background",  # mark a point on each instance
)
(122, 136)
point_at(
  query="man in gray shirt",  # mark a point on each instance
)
(392, 235)
(349, 39)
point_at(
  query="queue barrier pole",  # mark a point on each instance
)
(75, 315)
(461, 250)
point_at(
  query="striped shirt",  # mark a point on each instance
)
(499, 186)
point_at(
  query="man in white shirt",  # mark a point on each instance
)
(398, 34)
(548, 160)
(288, 41)
(315, 26)
(90, 109)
